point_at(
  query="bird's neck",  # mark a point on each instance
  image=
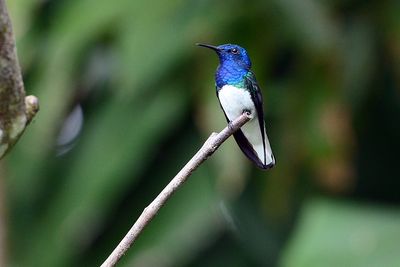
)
(230, 74)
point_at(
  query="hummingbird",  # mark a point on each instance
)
(238, 92)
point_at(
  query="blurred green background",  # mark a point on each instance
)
(127, 98)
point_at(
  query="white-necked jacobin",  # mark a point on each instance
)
(238, 92)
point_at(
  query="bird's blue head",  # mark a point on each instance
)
(234, 64)
(231, 54)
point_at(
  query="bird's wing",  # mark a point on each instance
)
(255, 93)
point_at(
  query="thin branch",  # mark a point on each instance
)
(16, 110)
(209, 147)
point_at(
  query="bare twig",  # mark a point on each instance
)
(16, 111)
(209, 147)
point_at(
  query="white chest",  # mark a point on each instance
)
(234, 100)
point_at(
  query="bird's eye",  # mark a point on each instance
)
(234, 51)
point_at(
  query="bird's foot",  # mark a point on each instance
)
(248, 113)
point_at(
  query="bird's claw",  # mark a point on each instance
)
(247, 112)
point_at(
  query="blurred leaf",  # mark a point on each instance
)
(151, 43)
(333, 233)
(75, 28)
(358, 62)
(309, 22)
(21, 13)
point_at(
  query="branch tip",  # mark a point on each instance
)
(31, 107)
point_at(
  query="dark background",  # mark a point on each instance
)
(127, 98)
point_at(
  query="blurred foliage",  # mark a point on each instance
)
(126, 99)
(353, 234)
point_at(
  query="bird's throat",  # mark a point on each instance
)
(230, 75)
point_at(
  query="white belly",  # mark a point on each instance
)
(234, 101)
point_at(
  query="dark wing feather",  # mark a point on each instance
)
(256, 96)
(248, 149)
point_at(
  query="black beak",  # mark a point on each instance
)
(215, 48)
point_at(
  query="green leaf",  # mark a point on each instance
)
(339, 233)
